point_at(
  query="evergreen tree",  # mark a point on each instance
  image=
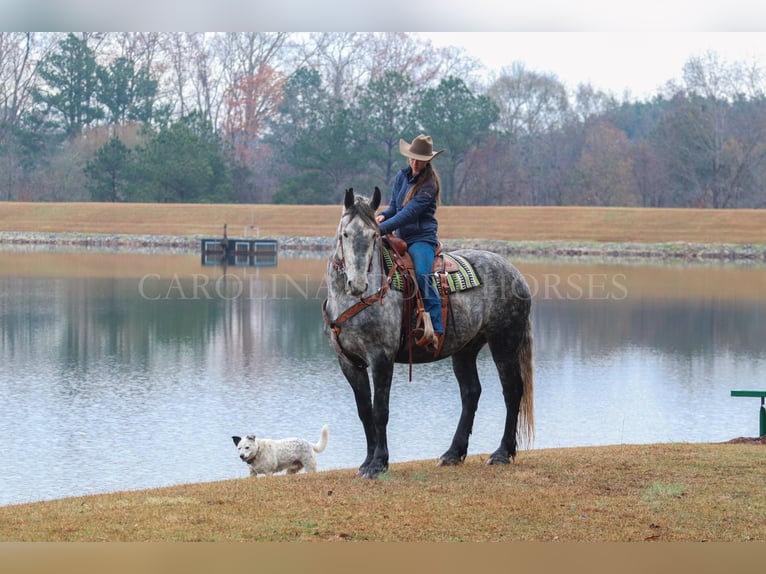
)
(385, 106)
(71, 84)
(322, 144)
(107, 171)
(127, 93)
(457, 120)
(184, 163)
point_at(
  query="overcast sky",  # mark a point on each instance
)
(615, 45)
(638, 62)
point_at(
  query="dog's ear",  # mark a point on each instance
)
(236, 440)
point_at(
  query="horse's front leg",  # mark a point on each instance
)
(360, 385)
(382, 373)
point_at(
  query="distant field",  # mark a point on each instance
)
(494, 223)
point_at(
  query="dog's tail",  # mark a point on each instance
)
(320, 446)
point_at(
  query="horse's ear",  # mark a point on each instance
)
(375, 198)
(348, 201)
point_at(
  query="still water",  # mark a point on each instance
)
(125, 371)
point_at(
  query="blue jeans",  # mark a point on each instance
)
(422, 254)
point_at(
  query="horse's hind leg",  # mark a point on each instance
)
(464, 367)
(508, 356)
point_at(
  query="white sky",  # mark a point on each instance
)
(639, 62)
(616, 45)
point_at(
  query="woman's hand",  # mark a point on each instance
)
(380, 218)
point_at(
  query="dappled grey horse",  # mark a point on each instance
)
(363, 318)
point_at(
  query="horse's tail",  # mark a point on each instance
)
(526, 422)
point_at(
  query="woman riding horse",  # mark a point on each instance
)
(363, 319)
(412, 213)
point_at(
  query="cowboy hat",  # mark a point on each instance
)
(421, 148)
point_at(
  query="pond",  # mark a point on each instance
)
(123, 371)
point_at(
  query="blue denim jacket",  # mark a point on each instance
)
(415, 221)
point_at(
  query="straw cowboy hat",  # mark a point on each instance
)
(421, 148)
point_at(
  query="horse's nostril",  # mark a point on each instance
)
(356, 289)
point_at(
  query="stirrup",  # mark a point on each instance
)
(424, 333)
(436, 345)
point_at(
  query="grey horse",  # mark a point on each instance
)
(363, 318)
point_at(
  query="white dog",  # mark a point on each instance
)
(267, 456)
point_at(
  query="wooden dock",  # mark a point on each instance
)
(239, 251)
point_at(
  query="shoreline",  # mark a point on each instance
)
(321, 246)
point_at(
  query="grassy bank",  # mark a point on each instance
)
(573, 224)
(670, 492)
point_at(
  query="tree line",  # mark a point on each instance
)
(297, 118)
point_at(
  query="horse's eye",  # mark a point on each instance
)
(345, 234)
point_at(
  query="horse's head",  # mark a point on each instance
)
(358, 233)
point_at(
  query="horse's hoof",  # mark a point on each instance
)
(372, 471)
(497, 458)
(449, 460)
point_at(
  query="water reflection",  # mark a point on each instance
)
(123, 371)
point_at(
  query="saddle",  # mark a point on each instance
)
(413, 311)
(441, 264)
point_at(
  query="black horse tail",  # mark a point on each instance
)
(526, 422)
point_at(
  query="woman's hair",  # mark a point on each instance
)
(427, 174)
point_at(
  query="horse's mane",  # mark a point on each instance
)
(362, 209)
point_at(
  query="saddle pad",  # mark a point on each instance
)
(397, 282)
(464, 278)
(461, 280)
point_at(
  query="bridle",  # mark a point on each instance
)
(339, 264)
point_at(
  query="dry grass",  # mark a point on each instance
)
(666, 492)
(502, 223)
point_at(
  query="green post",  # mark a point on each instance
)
(762, 414)
(763, 418)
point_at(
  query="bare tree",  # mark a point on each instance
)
(650, 175)
(18, 56)
(588, 102)
(20, 53)
(243, 53)
(176, 50)
(530, 103)
(606, 167)
(417, 58)
(241, 58)
(718, 149)
(339, 57)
